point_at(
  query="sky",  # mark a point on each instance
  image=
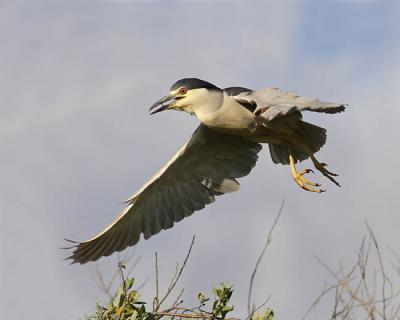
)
(77, 79)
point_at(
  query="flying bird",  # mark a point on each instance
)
(235, 122)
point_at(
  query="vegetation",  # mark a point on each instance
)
(126, 305)
(367, 290)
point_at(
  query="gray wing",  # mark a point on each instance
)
(204, 167)
(273, 102)
(234, 91)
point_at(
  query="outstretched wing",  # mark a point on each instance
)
(204, 167)
(273, 102)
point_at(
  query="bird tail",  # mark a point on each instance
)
(313, 136)
(280, 154)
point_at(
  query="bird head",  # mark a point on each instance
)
(187, 95)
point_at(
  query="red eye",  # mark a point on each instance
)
(182, 90)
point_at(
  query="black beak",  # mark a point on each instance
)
(162, 104)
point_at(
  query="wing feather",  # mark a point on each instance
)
(273, 102)
(204, 167)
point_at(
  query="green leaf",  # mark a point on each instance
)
(129, 283)
(227, 309)
(268, 314)
(120, 298)
(133, 296)
(202, 298)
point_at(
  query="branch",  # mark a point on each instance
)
(250, 309)
(176, 278)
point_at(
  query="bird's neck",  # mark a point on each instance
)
(206, 109)
(227, 115)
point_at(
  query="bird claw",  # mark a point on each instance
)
(304, 171)
(305, 183)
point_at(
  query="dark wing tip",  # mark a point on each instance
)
(338, 108)
(71, 241)
(78, 253)
(341, 108)
(73, 261)
(71, 246)
(93, 250)
(75, 247)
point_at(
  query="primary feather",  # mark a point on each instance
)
(205, 167)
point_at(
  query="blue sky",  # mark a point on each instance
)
(77, 78)
(334, 27)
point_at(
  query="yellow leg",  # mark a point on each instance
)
(298, 177)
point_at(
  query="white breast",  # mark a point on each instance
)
(230, 116)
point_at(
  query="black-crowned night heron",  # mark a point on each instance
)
(234, 121)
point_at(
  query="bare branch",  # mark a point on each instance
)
(97, 274)
(250, 309)
(353, 291)
(177, 276)
(156, 298)
(318, 299)
(384, 277)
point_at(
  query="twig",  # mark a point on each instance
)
(336, 304)
(133, 265)
(176, 278)
(267, 243)
(155, 302)
(384, 277)
(183, 315)
(255, 309)
(98, 276)
(193, 315)
(177, 300)
(318, 299)
(353, 290)
(140, 286)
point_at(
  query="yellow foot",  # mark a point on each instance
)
(321, 167)
(298, 177)
(304, 183)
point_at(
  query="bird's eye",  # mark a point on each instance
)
(182, 90)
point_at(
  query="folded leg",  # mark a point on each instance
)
(321, 167)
